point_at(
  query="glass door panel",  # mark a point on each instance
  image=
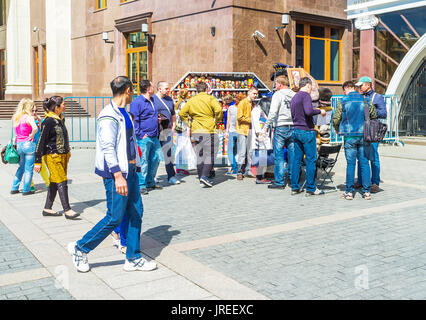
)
(143, 65)
(132, 71)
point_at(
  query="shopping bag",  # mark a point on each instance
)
(185, 155)
(263, 158)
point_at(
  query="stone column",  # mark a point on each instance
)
(367, 25)
(58, 44)
(18, 50)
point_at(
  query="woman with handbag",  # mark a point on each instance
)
(263, 156)
(54, 145)
(25, 129)
(185, 158)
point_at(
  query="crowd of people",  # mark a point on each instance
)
(274, 136)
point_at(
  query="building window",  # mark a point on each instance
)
(137, 58)
(2, 12)
(318, 51)
(101, 4)
(44, 63)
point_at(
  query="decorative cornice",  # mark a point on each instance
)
(295, 15)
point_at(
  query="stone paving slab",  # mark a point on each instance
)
(316, 258)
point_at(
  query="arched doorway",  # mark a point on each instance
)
(412, 115)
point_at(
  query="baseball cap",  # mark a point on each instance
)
(362, 80)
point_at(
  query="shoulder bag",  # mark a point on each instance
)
(9, 153)
(374, 129)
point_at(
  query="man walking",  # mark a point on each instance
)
(165, 105)
(348, 120)
(205, 112)
(116, 163)
(365, 84)
(280, 116)
(302, 114)
(244, 133)
(146, 129)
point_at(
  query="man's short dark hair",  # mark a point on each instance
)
(304, 81)
(120, 84)
(253, 89)
(144, 85)
(348, 84)
(201, 86)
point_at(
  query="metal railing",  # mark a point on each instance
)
(82, 124)
(392, 134)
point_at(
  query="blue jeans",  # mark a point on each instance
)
(232, 151)
(122, 231)
(304, 144)
(117, 207)
(26, 151)
(357, 149)
(283, 137)
(374, 158)
(150, 147)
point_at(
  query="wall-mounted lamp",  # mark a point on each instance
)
(144, 29)
(285, 20)
(257, 33)
(213, 31)
(35, 29)
(105, 37)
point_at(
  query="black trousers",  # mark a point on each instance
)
(167, 152)
(206, 147)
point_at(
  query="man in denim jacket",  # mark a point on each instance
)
(117, 163)
(348, 120)
(379, 103)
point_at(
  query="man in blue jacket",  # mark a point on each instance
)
(146, 130)
(348, 121)
(365, 84)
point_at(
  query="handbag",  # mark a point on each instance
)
(11, 155)
(374, 129)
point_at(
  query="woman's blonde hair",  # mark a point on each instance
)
(182, 96)
(25, 106)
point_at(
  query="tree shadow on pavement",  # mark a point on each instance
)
(161, 234)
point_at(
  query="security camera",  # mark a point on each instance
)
(35, 29)
(257, 33)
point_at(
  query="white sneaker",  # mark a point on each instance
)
(140, 264)
(174, 180)
(78, 258)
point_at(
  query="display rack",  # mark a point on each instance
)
(221, 83)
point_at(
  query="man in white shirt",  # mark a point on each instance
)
(280, 116)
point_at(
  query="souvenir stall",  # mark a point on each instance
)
(221, 84)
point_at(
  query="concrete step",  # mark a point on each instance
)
(8, 107)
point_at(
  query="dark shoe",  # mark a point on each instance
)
(276, 186)
(212, 174)
(204, 180)
(71, 217)
(28, 193)
(14, 191)
(240, 176)
(144, 191)
(294, 192)
(48, 214)
(317, 192)
(357, 185)
(263, 181)
(374, 188)
(157, 186)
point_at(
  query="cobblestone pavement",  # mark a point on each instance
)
(272, 244)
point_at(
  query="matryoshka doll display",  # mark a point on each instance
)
(188, 82)
(250, 83)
